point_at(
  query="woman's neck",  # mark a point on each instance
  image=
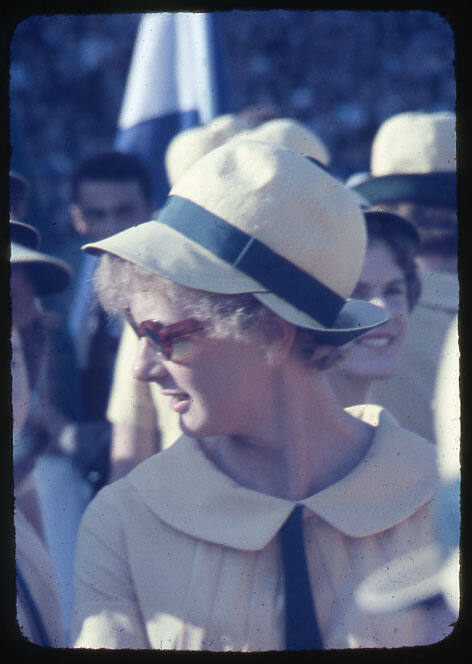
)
(309, 444)
(350, 390)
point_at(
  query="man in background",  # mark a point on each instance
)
(110, 192)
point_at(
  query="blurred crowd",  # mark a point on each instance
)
(86, 413)
(340, 72)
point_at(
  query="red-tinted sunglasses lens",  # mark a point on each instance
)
(151, 329)
(162, 336)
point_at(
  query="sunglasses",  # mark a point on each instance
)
(166, 339)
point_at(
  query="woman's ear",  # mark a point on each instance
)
(278, 334)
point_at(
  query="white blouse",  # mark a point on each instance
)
(179, 556)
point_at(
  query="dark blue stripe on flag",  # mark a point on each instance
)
(223, 97)
(149, 140)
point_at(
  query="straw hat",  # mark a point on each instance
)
(290, 134)
(190, 145)
(413, 158)
(49, 274)
(24, 234)
(256, 218)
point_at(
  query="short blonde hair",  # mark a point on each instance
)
(116, 281)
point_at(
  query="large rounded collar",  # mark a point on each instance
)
(187, 491)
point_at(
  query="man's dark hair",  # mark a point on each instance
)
(114, 166)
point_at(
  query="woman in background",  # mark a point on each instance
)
(389, 279)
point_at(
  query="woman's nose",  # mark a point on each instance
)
(379, 301)
(148, 363)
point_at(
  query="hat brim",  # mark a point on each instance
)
(355, 318)
(48, 274)
(424, 188)
(413, 578)
(170, 254)
(24, 234)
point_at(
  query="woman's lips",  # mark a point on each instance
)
(179, 402)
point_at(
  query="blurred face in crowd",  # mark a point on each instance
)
(218, 386)
(20, 384)
(106, 207)
(24, 307)
(382, 282)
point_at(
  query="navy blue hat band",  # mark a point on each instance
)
(252, 257)
(424, 188)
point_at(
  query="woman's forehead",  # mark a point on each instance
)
(153, 304)
(380, 263)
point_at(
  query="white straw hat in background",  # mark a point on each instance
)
(257, 218)
(413, 158)
(190, 145)
(290, 134)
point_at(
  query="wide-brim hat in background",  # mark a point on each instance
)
(256, 218)
(48, 274)
(290, 134)
(190, 145)
(413, 159)
(24, 234)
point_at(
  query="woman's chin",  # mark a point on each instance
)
(375, 372)
(193, 428)
(367, 366)
(382, 375)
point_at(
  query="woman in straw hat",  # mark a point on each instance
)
(141, 419)
(253, 531)
(142, 423)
